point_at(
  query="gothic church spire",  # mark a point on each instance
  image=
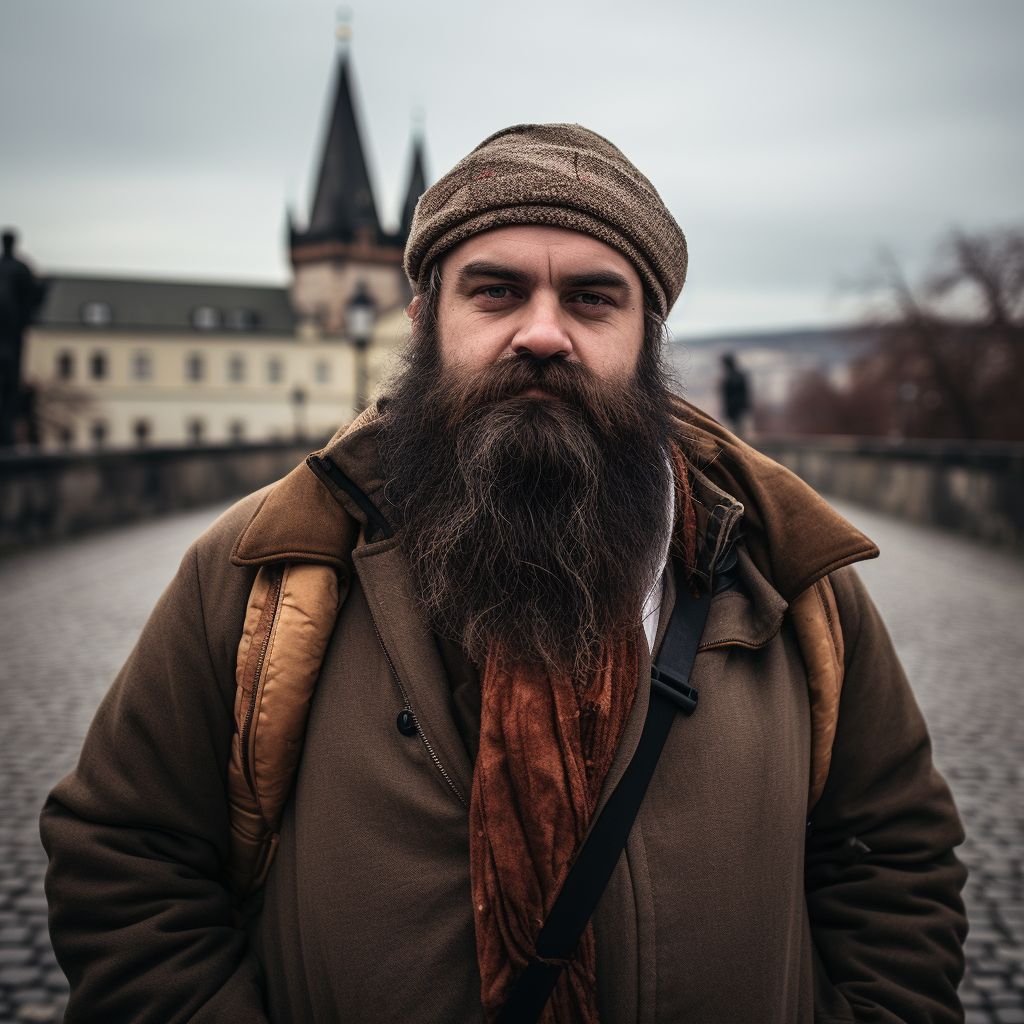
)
(343, 208)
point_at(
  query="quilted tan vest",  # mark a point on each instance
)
(289, 619)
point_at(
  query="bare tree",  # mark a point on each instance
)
(949, 359)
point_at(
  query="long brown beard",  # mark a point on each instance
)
(533, 527)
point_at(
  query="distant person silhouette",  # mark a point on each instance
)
(20, 296)
(735, 393)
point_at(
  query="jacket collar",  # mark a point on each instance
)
(793, 536)
(306, 517)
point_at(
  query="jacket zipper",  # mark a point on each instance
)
(247, 724)
(419, 728)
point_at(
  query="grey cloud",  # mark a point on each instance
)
(789, 139)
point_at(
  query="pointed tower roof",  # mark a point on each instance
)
(344, 224)
(417, 186)
(344, 197)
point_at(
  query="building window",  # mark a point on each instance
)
(243, 319)
(322, 372)
(98, 366)
(194, 367)
(274, 371)
(142, 431)
(67, 436)
(237, 431)
(98, 432)
(65, 366)
(205, 318)
(195, 431)
(236, 368)
(96, 314)
(142, 366)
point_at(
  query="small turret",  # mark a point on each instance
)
(343, 208)
(417, 186)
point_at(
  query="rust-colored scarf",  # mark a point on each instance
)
(546, 744)
(544, 753)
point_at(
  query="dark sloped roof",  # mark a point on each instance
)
(344, 212)
(124, 303)
(344, 197)
(417, 186)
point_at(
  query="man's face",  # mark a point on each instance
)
(550, 291)
(533, 527)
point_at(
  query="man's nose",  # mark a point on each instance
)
(542, 334)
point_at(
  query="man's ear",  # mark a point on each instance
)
(412, 310)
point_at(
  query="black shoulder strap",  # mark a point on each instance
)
(374, 516)
(588, 877)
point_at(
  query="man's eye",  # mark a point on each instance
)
(496, 291)
(590, 299)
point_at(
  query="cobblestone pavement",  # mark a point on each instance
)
(69, 614)
(955, 610)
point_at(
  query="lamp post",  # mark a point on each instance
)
(299, 408)
(360, 316)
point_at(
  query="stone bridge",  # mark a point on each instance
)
(70, 612)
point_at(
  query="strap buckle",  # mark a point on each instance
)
(677, 690)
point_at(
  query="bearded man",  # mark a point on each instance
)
(367, 731)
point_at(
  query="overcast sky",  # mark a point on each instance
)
(790, 139)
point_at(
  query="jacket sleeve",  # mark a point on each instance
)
(882, 883)
(137, 834)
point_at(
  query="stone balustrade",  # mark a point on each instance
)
(973, 487)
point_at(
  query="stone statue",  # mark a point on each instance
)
(20, 296)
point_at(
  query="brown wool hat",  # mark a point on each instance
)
(556, 174)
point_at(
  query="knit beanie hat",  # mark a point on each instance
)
(561, 175)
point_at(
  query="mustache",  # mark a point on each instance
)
(605, 405)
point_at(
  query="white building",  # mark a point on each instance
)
(124, 362)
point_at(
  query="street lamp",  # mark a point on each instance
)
(360, 316)
(299, 408)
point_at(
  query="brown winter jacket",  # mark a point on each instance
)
(725, 907)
